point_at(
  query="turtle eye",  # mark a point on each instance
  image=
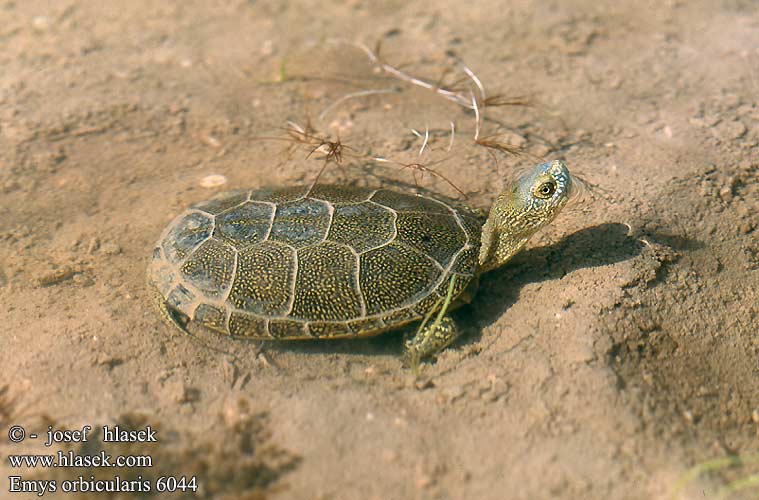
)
(546, 189)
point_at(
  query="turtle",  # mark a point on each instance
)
(331, 261)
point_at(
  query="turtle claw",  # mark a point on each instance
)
(411, 358)
(429, 341)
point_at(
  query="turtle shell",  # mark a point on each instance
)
(338, 261)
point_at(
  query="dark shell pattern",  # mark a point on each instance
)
(341, 261)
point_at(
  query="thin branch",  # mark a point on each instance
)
(501, 100)
(318, 176)
(492, 142)
(296, 127)
(354, 95)
(426, 138)
(476, 117)
(476, 80)
(422, 168)
(400, 75)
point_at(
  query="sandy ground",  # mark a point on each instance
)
(616, 352)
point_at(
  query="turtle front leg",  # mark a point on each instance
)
(429, 341)
(431, 338)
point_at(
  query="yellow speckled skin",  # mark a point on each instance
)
(341, 261)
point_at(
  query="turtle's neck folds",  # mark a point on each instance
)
(499, 246)
(511, 223)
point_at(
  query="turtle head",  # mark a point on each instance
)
(533, 200)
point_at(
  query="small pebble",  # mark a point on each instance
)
(55, 276)
(108, 361)
(181, 393)
(400, 422)
(41, 23)
(213, 181)
(267, 48)
(422, 478)
(745, 165)
(82, 280)
(93, 245)
(110, 249)
(451, 394)
(746, 227)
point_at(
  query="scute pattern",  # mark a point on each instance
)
(429, 302)
(362, 226)
(212, 317)
(286, 328)
(343, 262)
(263, 282)
(401, 202)
(181, 298)
(326, 287)
(472, 224)
(245, 225)
(395, 276)
(366, 326)
(209, 269)
(300, 223)
(185, 235)
(340, 194)
(401, 316)
(246, 325)
(220, 203)
(329, 329)
(436, 235)
(460, 282)
(280, 195)
(466, 261)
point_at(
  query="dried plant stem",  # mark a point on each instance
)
(422, 169)
(354, 95)
(477, 118)
(475, 79)
(426, 138)
(405, 77)
(453, 136)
